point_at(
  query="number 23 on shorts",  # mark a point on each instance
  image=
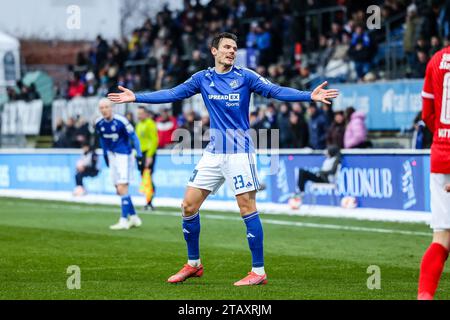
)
(238, 182)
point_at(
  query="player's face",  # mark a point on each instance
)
(105, 110)
(226, 53)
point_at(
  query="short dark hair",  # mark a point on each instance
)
(224, 35)
(144, 108)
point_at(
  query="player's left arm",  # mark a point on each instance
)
(268, 89)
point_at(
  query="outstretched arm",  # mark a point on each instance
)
(267, 89)
(319, 94)
(180, 92)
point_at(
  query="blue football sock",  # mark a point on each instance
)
(255, 236)
(191, 231)
(127, 207)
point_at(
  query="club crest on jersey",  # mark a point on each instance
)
(113, 128)
(234, 84)
(102, 129)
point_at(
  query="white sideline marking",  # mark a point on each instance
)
(265, 221)
(230, 206)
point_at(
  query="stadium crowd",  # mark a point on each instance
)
(299, 127)
(166, 50)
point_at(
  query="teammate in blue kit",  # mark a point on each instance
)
(230, 155)
(116, 139)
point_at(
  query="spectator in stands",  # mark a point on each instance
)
(71, 132)
(410, 35)
(82, 133)
(91, 85)
(361, 51)
(194, 130)
(325, 175)
(76, 87)
(166, 125)
(196, 63)
(12, 94)
(335, 134)
(327, 110)
(283, 123)
(421, 65)
(102, 49)
(252, 36)
(435, 46)
(422, 137)
(298, 130)
(355, 132)
(317, 127)
(86, 167)
(264, 43)
(30, 93)
(59, 135)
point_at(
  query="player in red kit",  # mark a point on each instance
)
(436, 115)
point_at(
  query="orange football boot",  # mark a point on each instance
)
(252, 280)
(186, 272)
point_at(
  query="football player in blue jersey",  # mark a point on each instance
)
(117, 138)
(230, 155)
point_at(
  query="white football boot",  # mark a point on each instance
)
(134, 221)
(121, 225)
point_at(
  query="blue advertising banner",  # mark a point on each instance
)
(389, 105)
(390, 181)
(376, 181)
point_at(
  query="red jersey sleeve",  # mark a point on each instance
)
(428, 114)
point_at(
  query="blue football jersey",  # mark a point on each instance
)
(227, 99)
(115, 135)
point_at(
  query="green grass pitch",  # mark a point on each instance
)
(40, 239)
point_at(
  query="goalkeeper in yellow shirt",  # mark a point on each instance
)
(147, 133)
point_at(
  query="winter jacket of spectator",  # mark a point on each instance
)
(285, 132)
(300, 134)
(356, 131)
(76, 89)
(335, 135)
(165, 130)
(317, 131)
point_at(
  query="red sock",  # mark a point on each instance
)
(431, 269)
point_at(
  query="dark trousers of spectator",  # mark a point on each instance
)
(81, 175)
(305, 176)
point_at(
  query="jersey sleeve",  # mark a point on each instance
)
(428, 114)
(265, 88)
(427, 91)
(183, 91)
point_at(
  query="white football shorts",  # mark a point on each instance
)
(440, 202)
(237, 169)
(121, 167)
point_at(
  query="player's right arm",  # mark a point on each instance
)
(428, 113)
(180, 92)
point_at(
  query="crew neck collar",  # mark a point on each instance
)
(223, 73)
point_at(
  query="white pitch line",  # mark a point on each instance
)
(265, 221)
